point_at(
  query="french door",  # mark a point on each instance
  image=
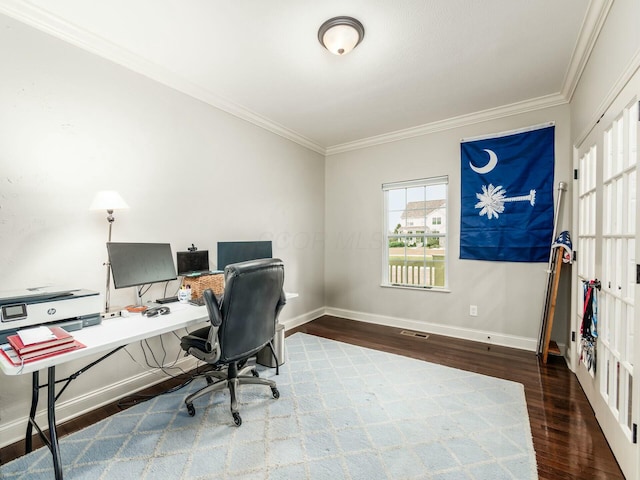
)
(606, 219)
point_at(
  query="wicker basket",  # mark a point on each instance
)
(200, 284)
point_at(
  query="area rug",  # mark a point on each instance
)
(344, 412)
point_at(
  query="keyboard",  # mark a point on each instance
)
(199, 302)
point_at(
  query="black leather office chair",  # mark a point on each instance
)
(242, 324)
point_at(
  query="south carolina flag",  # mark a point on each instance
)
(507, 196)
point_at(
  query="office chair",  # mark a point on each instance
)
(242, 324)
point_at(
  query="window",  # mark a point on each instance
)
(415, 258)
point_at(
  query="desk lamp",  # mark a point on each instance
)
(108, 200)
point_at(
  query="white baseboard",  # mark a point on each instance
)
(492, 338)
(302, 319)
(483, 336)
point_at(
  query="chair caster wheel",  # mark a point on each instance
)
(191, 410)
(275, 392)
(237, 419)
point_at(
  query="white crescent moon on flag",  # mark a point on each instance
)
(493, 161)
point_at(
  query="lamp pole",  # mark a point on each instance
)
(108, 200)
(110, 219)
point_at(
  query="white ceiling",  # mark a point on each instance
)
(422, 64)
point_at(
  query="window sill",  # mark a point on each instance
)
(408, 287)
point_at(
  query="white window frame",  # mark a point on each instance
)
(423, 182)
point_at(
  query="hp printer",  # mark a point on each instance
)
(71, 309)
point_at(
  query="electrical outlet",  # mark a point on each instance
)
(473, 310)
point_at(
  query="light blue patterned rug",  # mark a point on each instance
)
(344, 412)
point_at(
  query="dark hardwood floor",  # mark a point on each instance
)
(567, 438)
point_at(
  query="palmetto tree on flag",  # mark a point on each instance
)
(492, 200)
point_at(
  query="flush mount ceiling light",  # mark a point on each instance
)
(340, 35)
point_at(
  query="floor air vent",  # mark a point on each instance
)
(411, 333)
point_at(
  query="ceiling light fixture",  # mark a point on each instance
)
(340, 35)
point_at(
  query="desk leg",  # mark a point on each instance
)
(35, 388)
(51, 414)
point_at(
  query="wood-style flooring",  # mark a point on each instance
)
(567, 438)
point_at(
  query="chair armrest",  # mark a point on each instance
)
(202, 344)
(281, 303)
(215, 316)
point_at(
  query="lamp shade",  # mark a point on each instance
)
(340, 35)
(108, 200)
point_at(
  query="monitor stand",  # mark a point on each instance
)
(164, 300)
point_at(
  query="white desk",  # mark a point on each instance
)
(110, 336)
(115, 332)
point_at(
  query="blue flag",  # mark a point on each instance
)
(507, 197)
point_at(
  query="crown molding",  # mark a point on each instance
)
(70, 33)
(450, 123)
(594, 19)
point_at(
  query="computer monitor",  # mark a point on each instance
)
(192, 262)
(235, 252)
(136, 264)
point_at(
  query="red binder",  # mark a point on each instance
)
(62, 337)
(17, 359)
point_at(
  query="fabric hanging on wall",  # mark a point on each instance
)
(507, 196)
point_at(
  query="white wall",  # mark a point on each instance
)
(509, 296)
(72, 124)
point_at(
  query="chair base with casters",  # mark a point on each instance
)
(231, 377)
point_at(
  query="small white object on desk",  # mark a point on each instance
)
(35, 335)
(184, 294)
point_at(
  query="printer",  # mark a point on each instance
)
(71, 309)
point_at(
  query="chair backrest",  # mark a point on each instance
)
(253, 298)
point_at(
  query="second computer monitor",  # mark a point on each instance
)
(190, 263)
(235, 252)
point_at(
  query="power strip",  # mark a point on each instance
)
(110, 314)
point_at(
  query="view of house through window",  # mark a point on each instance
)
(415, 233)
